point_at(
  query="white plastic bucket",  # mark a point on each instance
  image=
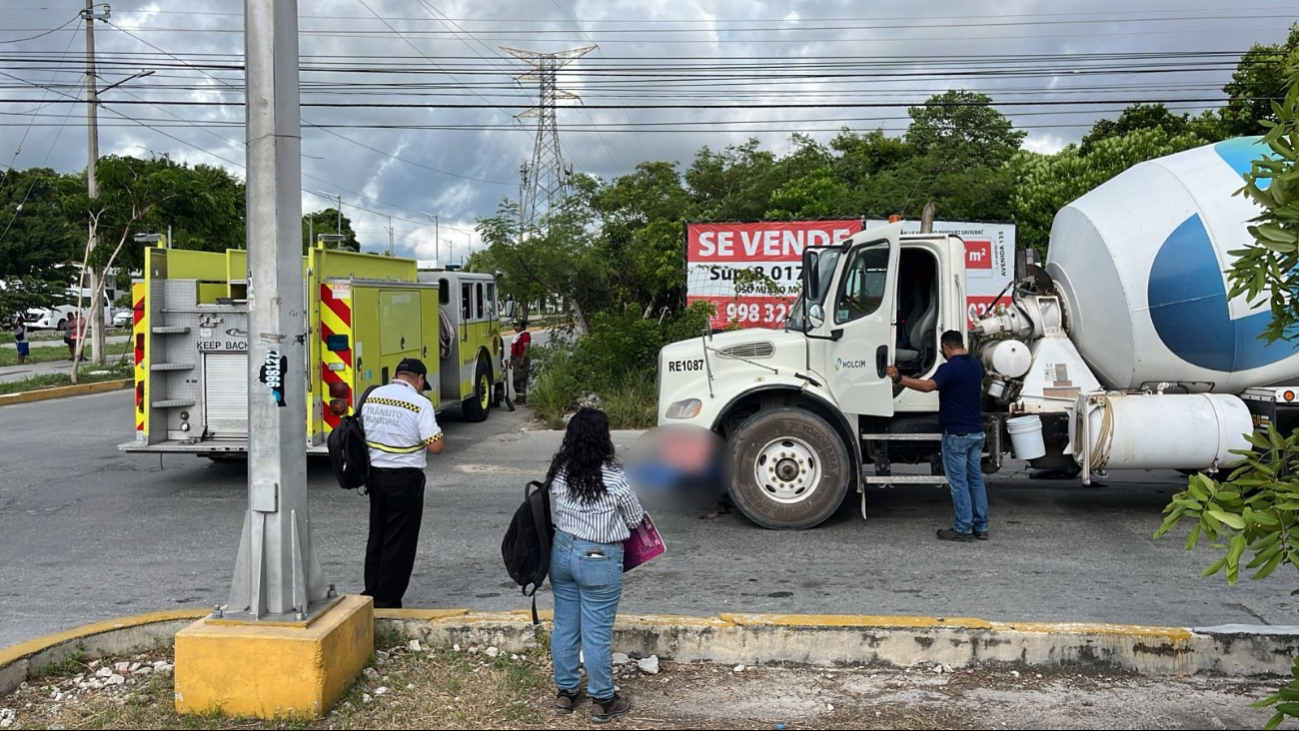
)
(1026, 437)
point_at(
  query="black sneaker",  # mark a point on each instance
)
(947, 534)
(606, 711)
(980, 535)
(565, 702)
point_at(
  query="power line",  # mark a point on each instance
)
(35, 178)
(327, 131)
(19, 148)
(46, 33)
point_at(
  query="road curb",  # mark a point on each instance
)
(81, 389)
(901, 642)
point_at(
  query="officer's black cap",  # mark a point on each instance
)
(413, 365)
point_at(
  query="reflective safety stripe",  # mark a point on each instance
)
(395, 450)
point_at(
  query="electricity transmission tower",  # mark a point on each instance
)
(544, 180)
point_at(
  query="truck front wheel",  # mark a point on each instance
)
(791, 469)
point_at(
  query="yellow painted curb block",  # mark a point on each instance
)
(273, 671)
(81, 389)
(14, 653)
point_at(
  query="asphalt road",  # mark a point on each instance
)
(89, 533)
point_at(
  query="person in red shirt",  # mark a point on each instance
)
(76, 329)
(519, 360)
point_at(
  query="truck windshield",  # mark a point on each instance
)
(826, 260)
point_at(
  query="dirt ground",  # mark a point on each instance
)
(478, 688)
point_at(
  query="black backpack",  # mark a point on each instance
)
(348, 453)
(526, 548)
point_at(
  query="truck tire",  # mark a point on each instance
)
(477, 406)
(791, 469)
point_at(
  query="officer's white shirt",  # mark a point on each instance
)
(399, 426)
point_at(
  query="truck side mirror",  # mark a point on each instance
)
(816, 315)
(810, 280)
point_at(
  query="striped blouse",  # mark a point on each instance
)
(607, 519)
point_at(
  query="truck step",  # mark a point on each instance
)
(172, 367)
(886, 437)
(173, 403)
(907, 480)
(171, 329)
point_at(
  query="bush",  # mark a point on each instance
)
(617, 359)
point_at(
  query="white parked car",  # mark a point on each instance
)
(123, 317)
(48, 318)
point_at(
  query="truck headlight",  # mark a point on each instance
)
(687, 409)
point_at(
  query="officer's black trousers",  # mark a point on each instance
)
(396, 511)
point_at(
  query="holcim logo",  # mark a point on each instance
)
(840, 364)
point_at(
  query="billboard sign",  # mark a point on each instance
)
(750, 272)
(989, 258)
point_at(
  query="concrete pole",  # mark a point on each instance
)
(437, 241)
(277, 575)
(96, 310)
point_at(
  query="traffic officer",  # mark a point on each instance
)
(400, 430)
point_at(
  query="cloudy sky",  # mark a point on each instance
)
(454, 148)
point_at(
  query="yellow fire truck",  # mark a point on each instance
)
(365, 313)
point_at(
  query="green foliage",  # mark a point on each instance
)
(1252, 520)
(618, 360)
(1135, 117)
(20, 293)
(1267, 266)
(1260, 77)
(40, 233)
(1047, 183)
(964, 127)
(326, 222)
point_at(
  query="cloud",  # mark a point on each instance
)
(444, 46)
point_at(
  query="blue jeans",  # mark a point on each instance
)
(587, 589)
(962, 458)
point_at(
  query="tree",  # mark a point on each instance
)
(1135, 117)
(1256, 508)
(962, 126)
(1267, 266)
(131, 194)
(1047, 183)
(819, 194)
(326, 222)
(1259, 78)
(36, 233)
(18, 294)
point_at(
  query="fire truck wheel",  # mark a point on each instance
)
(476, 406)
(791, 469)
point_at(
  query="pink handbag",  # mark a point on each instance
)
(644, 544)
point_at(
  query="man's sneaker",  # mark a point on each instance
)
(565, 702)
(606, 711)
(980, 535)
(947, 534)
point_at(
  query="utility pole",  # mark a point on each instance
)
(92, 185)
(545, 180)
(390, 234)
(469, 245)
(437, 242)
(277, 575)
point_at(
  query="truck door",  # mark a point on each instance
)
(860, 322)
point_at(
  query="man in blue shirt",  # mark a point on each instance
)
(959, 383)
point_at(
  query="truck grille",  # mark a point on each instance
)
(750, 350)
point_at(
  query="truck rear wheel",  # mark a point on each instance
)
(476, 406)
(791, 469)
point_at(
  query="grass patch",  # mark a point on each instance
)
(114, 371)
(7, 335)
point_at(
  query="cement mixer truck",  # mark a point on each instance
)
(1122, 352)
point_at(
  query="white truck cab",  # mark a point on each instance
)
(805, 408)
